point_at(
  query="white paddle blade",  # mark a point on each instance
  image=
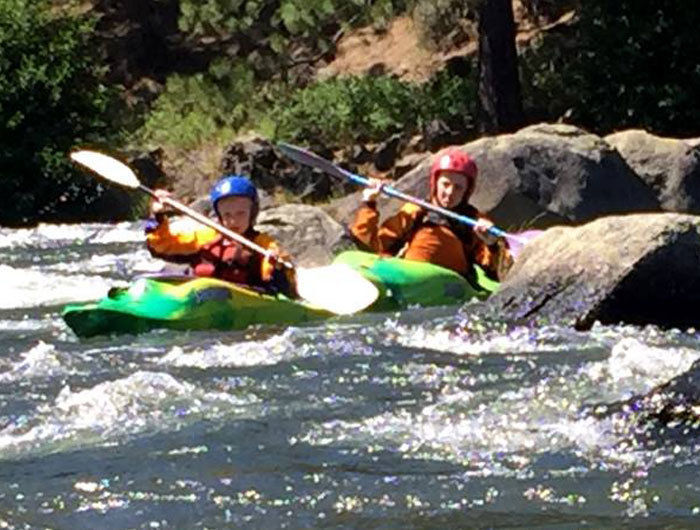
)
(107, 167)
(337, 288)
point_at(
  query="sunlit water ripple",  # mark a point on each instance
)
(425, 418)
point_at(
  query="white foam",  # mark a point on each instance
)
(24, 288)
(127, 264)
(634, 367)
(248, 353)
(41, 360)
(141, 402)
(472, 338)
(51, 233)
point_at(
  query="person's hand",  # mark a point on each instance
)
(273, 256)
(157, 206)
(481, 229)
(372, 191)
(272, 262)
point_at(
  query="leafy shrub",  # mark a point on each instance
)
(452, 99)
(631, 63)
(51, 99)
(201, 107)
(343, 109)
(280, 30)
(362, 108)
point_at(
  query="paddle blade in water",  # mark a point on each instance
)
(337, 288)
(107, 167)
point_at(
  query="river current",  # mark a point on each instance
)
(422, 419)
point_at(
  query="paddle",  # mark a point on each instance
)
(515, 241)
(337, 287)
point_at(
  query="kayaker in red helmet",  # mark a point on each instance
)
(417, 234)
(208, 253)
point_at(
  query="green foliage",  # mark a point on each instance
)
(342, 109)
(285, 24)
(50, 100)
(451, 99)
(198, 108)
(631, 63)
(289, 17)
(227, 100)
(370, 108)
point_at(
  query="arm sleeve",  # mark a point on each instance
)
(177, 246)
(392, 232)
(284, 280)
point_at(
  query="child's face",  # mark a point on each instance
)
(450, 189)
(234, 213)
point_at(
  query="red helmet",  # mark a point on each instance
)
(452, 159)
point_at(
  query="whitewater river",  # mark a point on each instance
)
(429, 418)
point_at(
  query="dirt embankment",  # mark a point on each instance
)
(401, 50)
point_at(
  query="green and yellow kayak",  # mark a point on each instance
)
(186, 303)
(403, 283)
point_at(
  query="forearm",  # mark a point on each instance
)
(365, 229)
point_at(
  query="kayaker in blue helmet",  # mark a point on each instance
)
(236, 203)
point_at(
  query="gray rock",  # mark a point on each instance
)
(408, 163)
(437, 134)
(675, 402)
(309, 234)
(671, 167)
(554, 171)
(541, 176)
(637, 269)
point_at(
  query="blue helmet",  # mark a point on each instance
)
(233, 186)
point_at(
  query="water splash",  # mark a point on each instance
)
(41, 361)
(248, 353)
(25, 288)
(143, 402)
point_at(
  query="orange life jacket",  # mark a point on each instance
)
(416, 234)
(209, 254)
(229, 261)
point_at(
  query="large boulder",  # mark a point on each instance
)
(540, 176)
(638, 269)
(309, 234)
(561, 169)
(669, 166)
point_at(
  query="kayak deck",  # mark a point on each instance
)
(403, 282)
(184, 304)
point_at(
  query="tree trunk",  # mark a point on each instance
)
(500, 99)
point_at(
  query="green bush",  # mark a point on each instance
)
(202, 107)
(631, 63)
(280, 30)
(343, 109)
(360, 108)
(51, 99)
(451, 99)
